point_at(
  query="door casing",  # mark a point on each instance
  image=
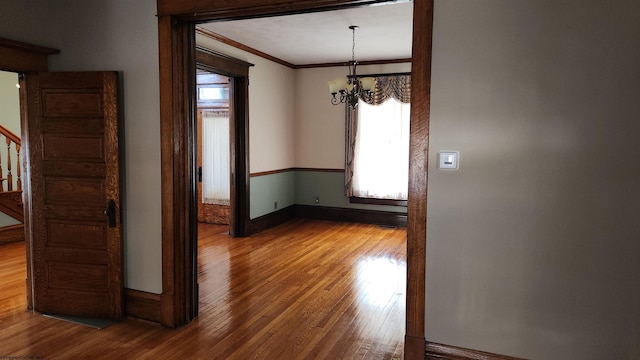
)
(238, 71)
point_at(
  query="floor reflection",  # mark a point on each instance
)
(381, 280)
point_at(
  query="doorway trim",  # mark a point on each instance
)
(176, 22)
(238, 71)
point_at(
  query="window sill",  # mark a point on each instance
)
(374, 201)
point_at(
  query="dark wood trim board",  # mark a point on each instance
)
(435, 351)
(142, 305)
(270, 220)
(386, 218)
(279, 171)
(22, 57)
(418, 174)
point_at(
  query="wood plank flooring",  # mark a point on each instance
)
(303, 290)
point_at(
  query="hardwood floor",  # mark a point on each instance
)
(303, 290)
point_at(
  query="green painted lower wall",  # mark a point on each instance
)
(6, 220)
(302, 187)
(329, 188)
(267, 190)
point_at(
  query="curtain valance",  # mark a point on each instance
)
(391, 86)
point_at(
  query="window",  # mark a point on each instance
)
(212, 90)
(378, 144)
(217, 92)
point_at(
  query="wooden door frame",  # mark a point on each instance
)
(24, 58)
(175, 32)
(238, 71)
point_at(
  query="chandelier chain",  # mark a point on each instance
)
(353, 44)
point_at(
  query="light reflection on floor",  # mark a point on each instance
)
(381, 280)
(381, 283)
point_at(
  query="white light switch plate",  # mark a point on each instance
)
(448, 160)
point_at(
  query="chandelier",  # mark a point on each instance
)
(352, 88)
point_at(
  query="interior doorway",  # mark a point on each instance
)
(11, 214)
(213, 154)
(12, 238)
(27, 58)
(176, 48)
(221, 102)
(225, 82)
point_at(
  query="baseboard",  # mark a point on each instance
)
(436, 351)
(12, 233)
(387, 218)
(142, 305)
(270, 220)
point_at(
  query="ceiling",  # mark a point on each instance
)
(384, 33)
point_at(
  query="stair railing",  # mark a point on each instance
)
(11, 138)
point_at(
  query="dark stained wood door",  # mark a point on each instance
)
(74, 171)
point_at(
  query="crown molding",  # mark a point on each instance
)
(238, 45)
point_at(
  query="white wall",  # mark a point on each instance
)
(23, 21)
(112, 35)
(122, 35)
(320, 126)
(272, 95)
(532, 246)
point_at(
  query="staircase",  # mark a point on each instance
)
(11, 187)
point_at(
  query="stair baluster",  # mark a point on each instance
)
(11, 138)
(9, 175)
(19, 168)
(1, 179)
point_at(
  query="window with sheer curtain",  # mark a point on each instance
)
(377, 161)
(215, 157)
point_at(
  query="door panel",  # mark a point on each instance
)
(75, 174)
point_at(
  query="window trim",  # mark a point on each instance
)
(377, 201)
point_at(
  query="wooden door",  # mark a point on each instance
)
(72, 121)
